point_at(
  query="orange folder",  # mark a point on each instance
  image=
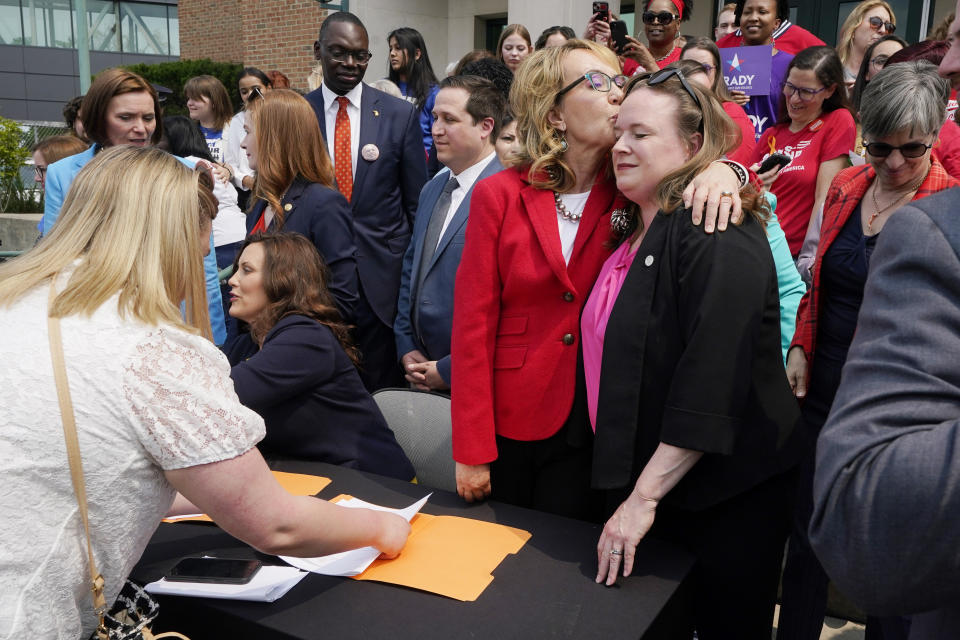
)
(296, 483)
(448, 555)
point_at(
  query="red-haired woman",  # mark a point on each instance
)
(294, 187)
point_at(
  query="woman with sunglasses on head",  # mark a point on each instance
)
(816, 131)
(661, 25)
(536, 237)
(869, 21)
(705, 52)
(902, 110)
(411, 71)
(684, 372)
(253, 85)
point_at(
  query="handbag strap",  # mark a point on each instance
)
(73, 448)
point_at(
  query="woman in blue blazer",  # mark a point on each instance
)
(121, 108)
(293, 190)
(296, 366)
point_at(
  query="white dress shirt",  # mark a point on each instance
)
(353, 112)
(465, 180)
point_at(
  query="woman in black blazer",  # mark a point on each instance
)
(296, 366)
(294, 188)
(684, 371)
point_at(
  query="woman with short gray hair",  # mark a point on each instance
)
(901, 112)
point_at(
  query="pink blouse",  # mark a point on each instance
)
(593, 322)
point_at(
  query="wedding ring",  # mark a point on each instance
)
(726, 194)
(616, 552)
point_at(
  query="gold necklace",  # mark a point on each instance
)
(876, 204)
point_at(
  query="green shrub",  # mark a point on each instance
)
(13, 153)
(173, 75)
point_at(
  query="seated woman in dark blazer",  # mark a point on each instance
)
(684, 370)
(296, 366)
(294, 188)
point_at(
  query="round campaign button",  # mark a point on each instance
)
(370, 152)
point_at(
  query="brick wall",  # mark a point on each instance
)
(267, 34)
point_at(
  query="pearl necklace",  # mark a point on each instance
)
(564, 212)
(880, 211)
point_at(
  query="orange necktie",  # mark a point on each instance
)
(342, 160)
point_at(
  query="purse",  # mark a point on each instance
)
(134, 608)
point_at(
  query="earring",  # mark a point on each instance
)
(563, 141)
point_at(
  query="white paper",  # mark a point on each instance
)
(355, 562)
(267, 585)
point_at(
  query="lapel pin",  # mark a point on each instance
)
(648, 260)
(376, 113)
(370, 152)
(287, 207)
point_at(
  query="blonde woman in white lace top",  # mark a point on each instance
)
(155, 407)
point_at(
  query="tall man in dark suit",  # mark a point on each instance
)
(467, 115)
(376, 146)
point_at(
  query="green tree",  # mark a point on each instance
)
(13, 154)
(173, 75)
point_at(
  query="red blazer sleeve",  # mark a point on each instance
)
(476, 314)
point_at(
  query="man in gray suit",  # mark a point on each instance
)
(886, 522)
(467, 116)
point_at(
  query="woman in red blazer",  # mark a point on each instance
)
(535, 240)
(901, 112)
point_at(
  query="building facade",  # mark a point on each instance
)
(38, 58)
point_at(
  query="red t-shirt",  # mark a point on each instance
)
(793, 40)
(830, 136)
(744, 152)
(631, 66)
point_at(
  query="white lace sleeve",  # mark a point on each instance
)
(182, 403)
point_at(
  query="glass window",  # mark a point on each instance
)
(48, 23)
(143, 28)
(10, 31)
(102, 25)
(174, 22)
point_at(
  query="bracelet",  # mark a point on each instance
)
(738, 169)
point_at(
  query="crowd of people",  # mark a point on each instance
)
(638, 287)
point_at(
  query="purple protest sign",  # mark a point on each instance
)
(747, 69)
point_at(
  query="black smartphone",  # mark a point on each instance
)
(601, 10)
(215, 570)
(618, 33)
(774, 160)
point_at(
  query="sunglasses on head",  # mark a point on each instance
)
(658, 77)
(876, 23)
(661, 17)
(909, 150)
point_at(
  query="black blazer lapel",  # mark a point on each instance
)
(621, 370)
(370, 118)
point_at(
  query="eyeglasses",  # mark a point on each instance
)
(39, 171)
(876, 23)
(879, 61)
(909, 150)
(343, 55)
(790, 89)
(662, 17)
(598, 80)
